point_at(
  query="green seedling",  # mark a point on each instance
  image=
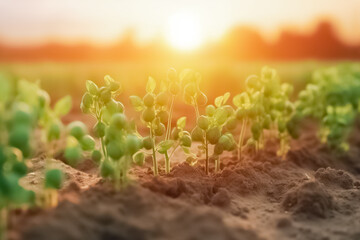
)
(157, 116)
(264, 106)
(17, 126)
(192, 95)
(333, 99)
(122, 146)
(209, 130)
(101, 104)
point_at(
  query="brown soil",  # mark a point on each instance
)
(313, 194)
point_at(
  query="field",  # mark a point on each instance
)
(278, 158)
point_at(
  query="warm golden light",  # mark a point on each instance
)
(184, 31)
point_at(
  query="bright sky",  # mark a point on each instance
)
(37, 21)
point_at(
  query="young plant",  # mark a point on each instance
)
(17, 126)
(192, 95)
(264, 105)
(122, 148)
(156, 114)
(333, 99)
(209, 130)
(101, 104)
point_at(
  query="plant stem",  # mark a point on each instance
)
(174, 149)
(241, 138)
(196, 108)
(168, 129)
(217, 163)
(103, 147)
(206, 157)
(155, 166)
(167, 163)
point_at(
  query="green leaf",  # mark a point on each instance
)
(63, 106)
(151, 85)
(91, 87)
(108, 79)
(139, 158)
(181, 122)
(220, 115)
(164, 146)
(137, 103)
(237, 100)
(226, 98)
(219, 101)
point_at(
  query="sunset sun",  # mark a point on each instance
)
(184, 31)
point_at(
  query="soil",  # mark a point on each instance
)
(313, 194)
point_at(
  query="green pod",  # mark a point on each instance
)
(231, 123)
(148, 143)
(133, 144)
(54, 131)
(218, 149)
(163, 116)
(203, 122)
(73, 155)
(210, 110)
(149, 100)
(107, 169)
(87, 143)
(53, 179)
(162, 99)
(148, 115)
(213, 135)
(185, 141)
(99, 129)
(197, 134)
(115, 150)
(118, 121)
(96, 156)
(77, 129)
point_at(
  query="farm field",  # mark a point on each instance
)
(145, 151)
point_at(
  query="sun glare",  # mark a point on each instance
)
(184, 31)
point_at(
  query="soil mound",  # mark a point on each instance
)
(135, 213)
(334, 177)
(310, 199)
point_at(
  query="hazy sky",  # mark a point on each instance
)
(34, 21)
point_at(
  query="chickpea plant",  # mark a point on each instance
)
(264, 106)
(209, 130)
(118, 137)
(333, 99)
(101, 104)
(16, 129)
(157, 116)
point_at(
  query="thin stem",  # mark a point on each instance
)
(174, 149)
(103, 147)
(155, 166)
(241, 138)
(217, 163)
(168, 129)
(206, 156)
(196, 108)
(167, 163)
